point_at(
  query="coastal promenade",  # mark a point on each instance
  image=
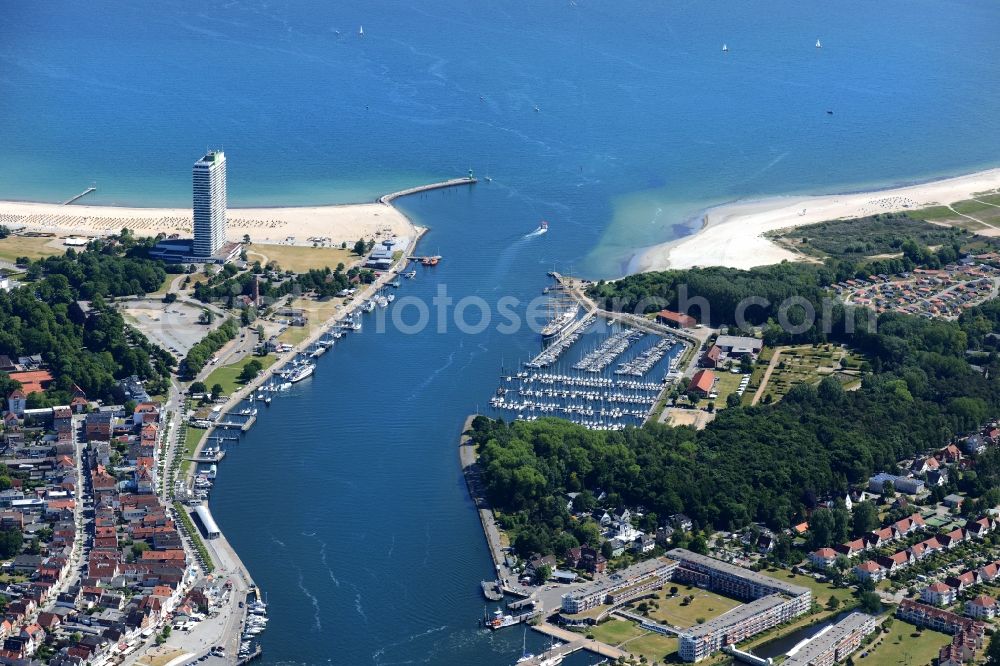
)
(477, 492)
(454, 182)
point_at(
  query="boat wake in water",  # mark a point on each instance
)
(542, 228)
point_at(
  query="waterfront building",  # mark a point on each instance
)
(836, 643)
(772, 602)
(209, 204)
(739, 624)
(208, 524)
(675, 319)
(620, 587)
(731, 580)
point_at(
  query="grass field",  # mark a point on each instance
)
(614, 632)
(300, 259)
(227, 374)
(900, 648)
(628, 636)
(727, 384)
(32, 247)
(705, 605)
(192, 436)
(821, 591)
(655, 648)
(978, 208)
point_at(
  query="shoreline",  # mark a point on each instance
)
(229, 558)
(732, 234)
(306, 225)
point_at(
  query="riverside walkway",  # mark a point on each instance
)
(454, 182)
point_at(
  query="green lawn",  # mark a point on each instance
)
(900, 648)
(705, 605)
(821, 591)
(614, 632)
(192, 436)
(227, 374)
(655, 648)
(727, 384)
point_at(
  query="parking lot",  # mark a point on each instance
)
(173, 326)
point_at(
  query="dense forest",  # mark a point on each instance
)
(766, 463)
(93, 351)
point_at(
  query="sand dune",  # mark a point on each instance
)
(733, 233)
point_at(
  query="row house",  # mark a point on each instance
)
(961, 650)
(937, 619)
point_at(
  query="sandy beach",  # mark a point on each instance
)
(733, 234)
(290, 225)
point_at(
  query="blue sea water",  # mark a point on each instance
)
(346, 500)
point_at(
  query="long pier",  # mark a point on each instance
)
(80, 195)
(454, 182)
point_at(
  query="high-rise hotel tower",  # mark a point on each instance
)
(209, 204)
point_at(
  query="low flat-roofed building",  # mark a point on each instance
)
(208, 523)
(737, 345)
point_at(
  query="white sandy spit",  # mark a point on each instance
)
(290, 225)
(733, 234)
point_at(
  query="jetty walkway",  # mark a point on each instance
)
(80, 195)
(574, 642)
(454, 182)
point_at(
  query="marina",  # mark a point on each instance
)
(608, 351)
(584, 389)
(554, 350)
(643, 363)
